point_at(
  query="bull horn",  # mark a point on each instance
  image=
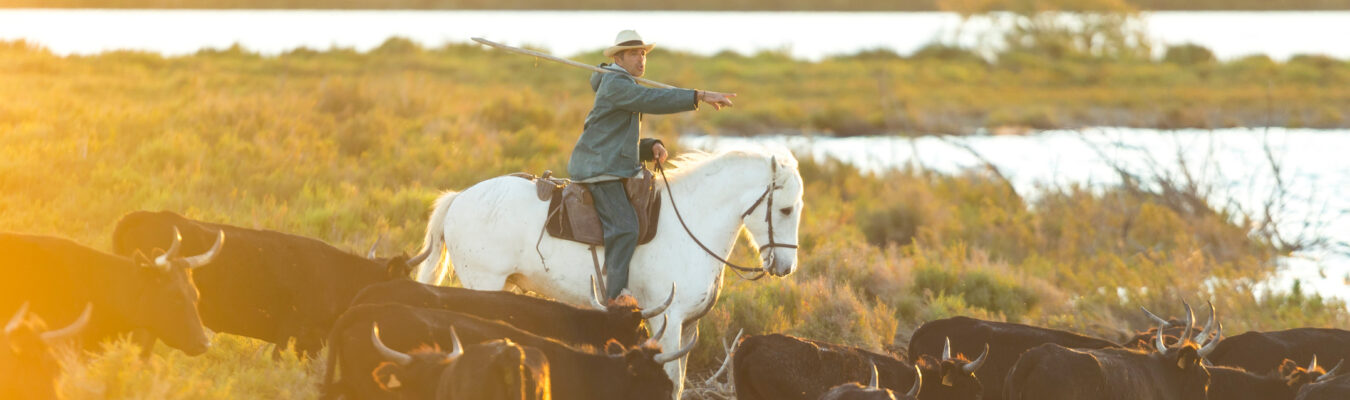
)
(647, 314)
(1212, 343)
(726, 362)
(1162, 347)
(1190, 324)
(17, 319)
(206, 258)
(1330, 374)
(56, 336)
(947, 349)
(873, 384)
(163, 260)
(1313, 367)
(456, 349)
(918, 381)
(979, 361)
(665, 321)
(1203, 337)
(1155, 317)
(665, 358)
(370, 254)
(595, 296)
(388, 353)
(419, 258)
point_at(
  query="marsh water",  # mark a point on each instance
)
(1233, 164)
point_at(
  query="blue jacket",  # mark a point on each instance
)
(609, 141)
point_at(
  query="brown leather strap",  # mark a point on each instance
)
(599, 271)
(759, 271)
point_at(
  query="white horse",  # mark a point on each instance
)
(491, 232)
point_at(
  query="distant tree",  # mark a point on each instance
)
(1061, 29)
(938, 51)
(1189, 54)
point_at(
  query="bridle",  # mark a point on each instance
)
(768, 219)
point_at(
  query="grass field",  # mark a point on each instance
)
(348, 146)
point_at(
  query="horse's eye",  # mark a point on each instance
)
(786, 210)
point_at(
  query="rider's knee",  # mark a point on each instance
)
(622, 235)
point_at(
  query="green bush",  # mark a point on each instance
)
(948, 53)
(979, 289)
(1189, 54)
(894, 225)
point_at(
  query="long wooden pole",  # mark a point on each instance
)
(533, 53)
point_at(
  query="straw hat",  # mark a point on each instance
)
(628, 39)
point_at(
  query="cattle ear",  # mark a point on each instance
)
(948, 377)
(613, 347)
(1187, 357)
(139, 258)
(1288, 367)
(386, 375)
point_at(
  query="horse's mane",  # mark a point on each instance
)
(690, 160)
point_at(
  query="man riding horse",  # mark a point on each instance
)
(609, 150)
(500, 233)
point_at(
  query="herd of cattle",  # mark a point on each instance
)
(390, 337)
(1020, 362)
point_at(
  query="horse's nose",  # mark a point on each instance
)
(784, 266)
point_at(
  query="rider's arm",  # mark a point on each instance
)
(626, 94)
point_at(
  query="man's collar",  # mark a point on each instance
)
(615, 68)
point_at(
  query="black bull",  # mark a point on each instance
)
(60, 278)
(494, 370)
(1006, 342)
(854, 391)
(622, 320)
(1054, 372)
(1264, 351)
(1329, 387)
(27, 368)
(584, 372)
(776, 366)
(1232, 383)
(266, 285)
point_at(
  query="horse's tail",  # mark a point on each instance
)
(434, 244)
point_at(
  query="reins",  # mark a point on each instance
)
(759, 272)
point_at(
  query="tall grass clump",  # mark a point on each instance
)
(234, 368)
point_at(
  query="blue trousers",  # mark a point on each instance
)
(620, 224)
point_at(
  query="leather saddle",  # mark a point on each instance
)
(571, 209)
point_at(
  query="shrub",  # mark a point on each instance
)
(948, 53)
(979, 289)
(1189, 54)
(397, 46)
